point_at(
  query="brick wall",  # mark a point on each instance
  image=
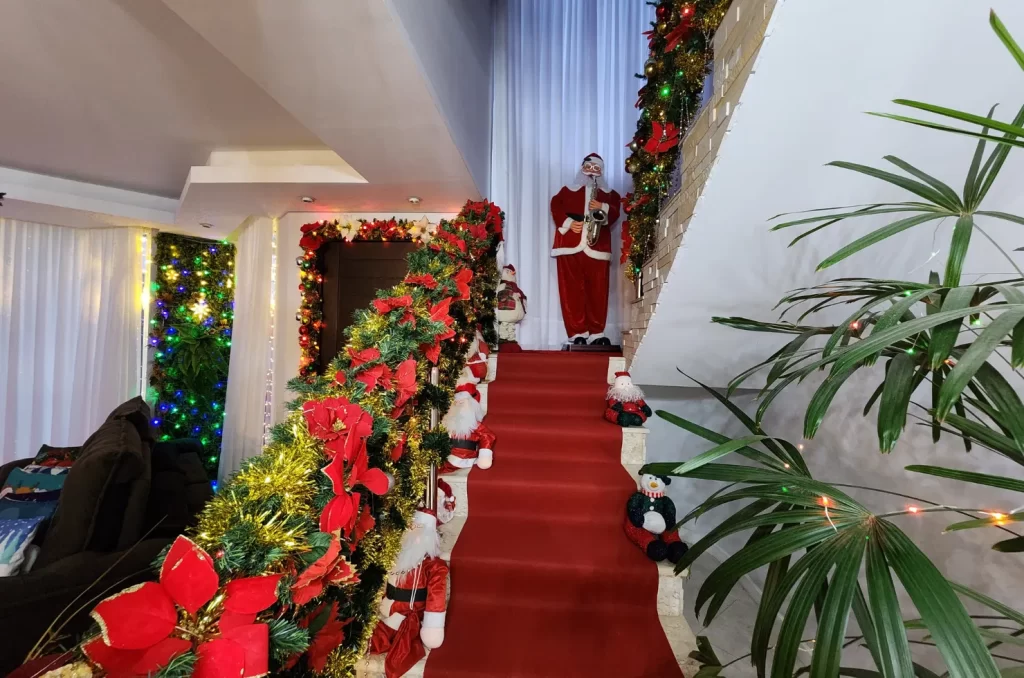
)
(737, 43)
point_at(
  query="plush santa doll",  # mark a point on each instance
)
(412, 612)
(476, 356)
(651, 519)
(511, 309)
(583, 268)
(472, 441)
(626, 405)
(445, 502)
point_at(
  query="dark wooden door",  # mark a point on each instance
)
(353, 272)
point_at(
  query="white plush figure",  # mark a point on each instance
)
(511, 308)
(651, 519)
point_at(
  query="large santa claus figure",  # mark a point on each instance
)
(472, 441)
(412, 612)
(583, 267)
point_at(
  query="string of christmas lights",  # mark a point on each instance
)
(317, 234)
(190, 338)
(680, 42)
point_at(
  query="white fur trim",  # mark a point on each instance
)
(582, 247)
(459, 462)
(394, 621)
(581, 334)
(564, 228)
(594, 337)
(485, 459)
(605, 206)
(434, 620)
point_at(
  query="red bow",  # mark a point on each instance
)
(680, 32)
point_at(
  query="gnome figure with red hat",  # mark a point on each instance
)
(626, 405)
(584, 262)
(412, 612)
(510, 311)
(476, 356)
(472, 441)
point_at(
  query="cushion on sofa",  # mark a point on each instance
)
(58, 457)
(100, 505)
(15, 537)
(138, 413)
(25, 481)
(37, 505)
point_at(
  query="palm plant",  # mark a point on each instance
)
(816, 540)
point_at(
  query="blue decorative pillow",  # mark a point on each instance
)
(15, 537)
(21, 481)
(37, 505)
(48, 470)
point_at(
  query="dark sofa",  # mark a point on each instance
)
(125, 499)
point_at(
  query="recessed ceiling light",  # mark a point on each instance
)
(307, 198)
(414, 200)
(206, 224)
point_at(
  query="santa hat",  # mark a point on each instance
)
(509, 267)
(622, 374)
(594, 158)
(468, 388)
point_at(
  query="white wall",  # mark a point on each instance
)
(286, 342)
(452, 42)
(821, 66)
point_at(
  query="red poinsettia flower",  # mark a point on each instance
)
(340, 378)
(328, 632)
(306, 228)
(462, 279)
(330, 569)
(663, 137)
(399, 449)
(449, 238)
(364, 524)
(365, 356)
(341, 512)
(439, 312)
(423, 279)
(138, 624)
(478, 231)
(342, 425)
(432, 351)
(405, 381)
(387, 305)
(378, 375)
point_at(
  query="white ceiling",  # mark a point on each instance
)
(133, 93)
(822, 65)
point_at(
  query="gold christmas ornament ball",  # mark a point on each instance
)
(650, 68)
(662, 27)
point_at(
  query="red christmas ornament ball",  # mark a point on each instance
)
(663, 12)
(304, 340)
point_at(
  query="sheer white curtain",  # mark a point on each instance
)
(70, 331)
(563, 88)
(252, 345)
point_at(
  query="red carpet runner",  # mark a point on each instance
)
(544, 582)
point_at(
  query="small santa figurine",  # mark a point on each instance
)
(476, 356)
(583, 215)
(625, 404)
(511, 309)
(472, 441)
(651, 520)
(445, 502)
(412, 612)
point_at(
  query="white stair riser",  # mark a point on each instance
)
(492, 366)
(615, 365)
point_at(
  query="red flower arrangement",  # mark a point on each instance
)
(146, 626)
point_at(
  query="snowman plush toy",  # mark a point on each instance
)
(651, 518)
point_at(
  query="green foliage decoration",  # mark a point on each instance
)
(190, 339)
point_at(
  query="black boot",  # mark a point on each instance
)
(579, 341)
(603, 341)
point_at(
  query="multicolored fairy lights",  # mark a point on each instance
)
(190, 339)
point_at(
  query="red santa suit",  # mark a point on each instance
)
(477, 359)
(413, 609)
(472, 441)
(583, 269)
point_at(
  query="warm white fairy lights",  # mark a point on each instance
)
(268, 387)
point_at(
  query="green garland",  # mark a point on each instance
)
(680, 59)
(313, 511)
(190, 335)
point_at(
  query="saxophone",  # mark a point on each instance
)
(594, 219)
